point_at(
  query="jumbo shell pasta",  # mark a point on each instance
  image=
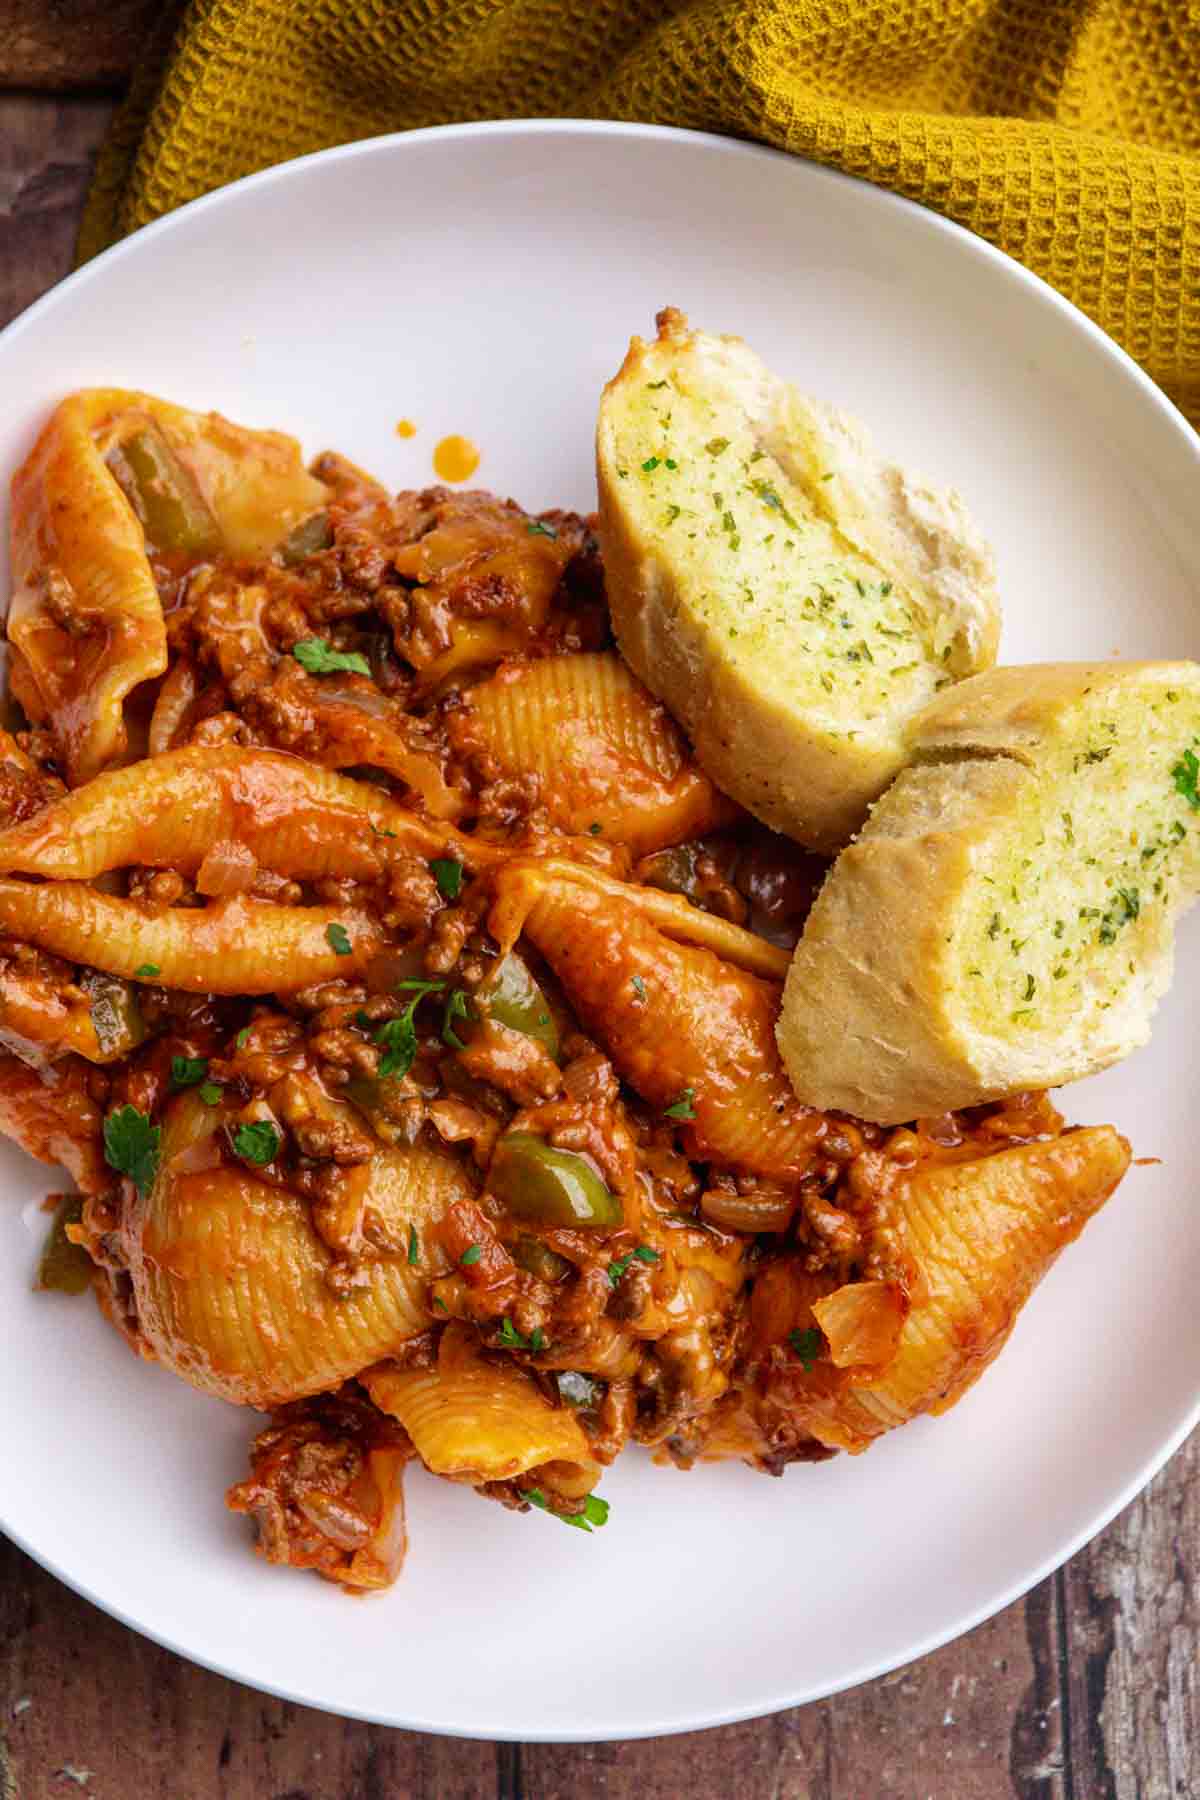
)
(475, 1420)
(607, 754)
(677, 1021)
(234, 946)
(230, 1275)
(982, 1234)
(79, 555)
(173, 810)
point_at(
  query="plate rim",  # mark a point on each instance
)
(1004, 266)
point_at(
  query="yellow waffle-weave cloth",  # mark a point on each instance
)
(1065, 131)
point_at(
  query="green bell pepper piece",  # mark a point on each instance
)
(163, 494)
(554, 1187)
(512, 997)
(65, 1267)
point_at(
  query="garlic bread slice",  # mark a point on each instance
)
(1005, 920)
(790, 596)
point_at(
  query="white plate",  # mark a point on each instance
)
(485, 280)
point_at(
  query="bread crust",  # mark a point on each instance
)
(783, 764)
(870, 1022)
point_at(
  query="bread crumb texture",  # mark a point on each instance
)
(1006, 918)
(818, 596)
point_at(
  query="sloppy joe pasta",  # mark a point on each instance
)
(400, 996)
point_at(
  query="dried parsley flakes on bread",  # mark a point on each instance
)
(1006, 918)
(790, 596)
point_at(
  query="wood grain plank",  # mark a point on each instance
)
(1132, 1606)
(47, 148)
(977, 1720)
(71, 43)
(1088, 1689)
(80, 1692)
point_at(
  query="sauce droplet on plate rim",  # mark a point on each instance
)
(455, 458)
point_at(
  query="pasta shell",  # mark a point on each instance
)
(982, 1235)
(234, 946)
(172, 708)
(254, 483)
(605, 751)
(477, 1421)
(79, 561)
(677, 1022)
(169, 812)
(229, 1275)
(669, 913)
(85, 612)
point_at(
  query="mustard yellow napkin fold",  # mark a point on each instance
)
(1065, 131)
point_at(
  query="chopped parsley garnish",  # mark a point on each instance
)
(715, 445)
(537, 528)
(769, 497)
(643, 1253)
(595, 1511)
(449, 876)
(807, 1345)
(414, 1247)
(1184, 776)
(148, 970)
(670, 463)
(512, 1339)
(258, 1143)
(1030, 988)
(639, 987)
(458, 1006)
(471, 1255)
(338, 939)
(1124, 906)
(416, 984)
(398, 1040)
(652, 385)
(380, 830)
(673, 513)
(398, 1037)
(682, 1108)
(187, 1071)
(210, 1093)
(1091, 756)
(650, 464)
(316, 656)
(243, 1037)
(595, 828)
(131, 1146)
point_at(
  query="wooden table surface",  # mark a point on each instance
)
(1090, 1687)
